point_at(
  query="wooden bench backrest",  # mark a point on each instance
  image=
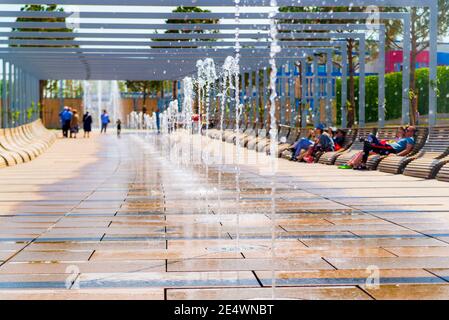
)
(362, 133)
(420, 139)
(349, 138)
(387, 133)
(294, 135)
(438, 140)
(283, 132)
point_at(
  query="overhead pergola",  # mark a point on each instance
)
(103, 51)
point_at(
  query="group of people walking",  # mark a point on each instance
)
(70, 123)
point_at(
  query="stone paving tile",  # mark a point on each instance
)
(346, 277)
(390, 263)
(198, 265)
(56, 255)
(365, 243)
(83, 294)
(168, 279)
(61, 267)
(410, 292)
(156, 254)
(94, 245)
(300, 293)
(325, 253)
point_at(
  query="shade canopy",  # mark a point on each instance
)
(127, 44)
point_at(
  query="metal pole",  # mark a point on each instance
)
(264, 91)
(22, 91)
(406, 72)
(242, 95)
(10, 95)
(316, 93)
(61, 95)
(257, 95)
(250, 96)
(381, 78)
(344, 87)
(291, 91)
(16, 87)
(433, 38)
(282, 105)
(304, 93)
(362, 83)
(3, 113)
(329, 89)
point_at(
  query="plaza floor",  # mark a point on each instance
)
(150, 217)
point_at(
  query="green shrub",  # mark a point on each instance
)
(393, 94)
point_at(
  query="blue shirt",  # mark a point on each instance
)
(66, 115)
(326, 142)
(104, 118)
(402, 144)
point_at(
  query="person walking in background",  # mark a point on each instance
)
(66, 118)
(104, 121)
(74, 125)
(87, 124)
(118, 123)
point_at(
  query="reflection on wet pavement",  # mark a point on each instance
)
(157, 217)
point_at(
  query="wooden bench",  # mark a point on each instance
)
(283, 133)
(7, 144)
(285, 149)
(38, 142)
(443, 173)
(356, 147)
(248, 134)
(330, 157)
(261, 135)
(230, 137)
(433, 155)
(229, 131)
(24, 143)
(215, 133)
(382, 134)
(395, 164)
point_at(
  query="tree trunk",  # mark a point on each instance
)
(351, 86)
(414, 53)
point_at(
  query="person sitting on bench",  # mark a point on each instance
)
(357, 158)
(323, 143)
(302, 145)
(339, 139)
(400, 148)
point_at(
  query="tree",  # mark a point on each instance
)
(145, 87)
(189, 21)
(182, 9)
(43, 83)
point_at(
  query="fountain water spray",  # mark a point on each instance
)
(238, 112)
(111, 102)
(187, 104)
(274, 49)
(210, 74)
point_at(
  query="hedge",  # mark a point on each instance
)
(393, 94)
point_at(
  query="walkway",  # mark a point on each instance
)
(140, 217)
